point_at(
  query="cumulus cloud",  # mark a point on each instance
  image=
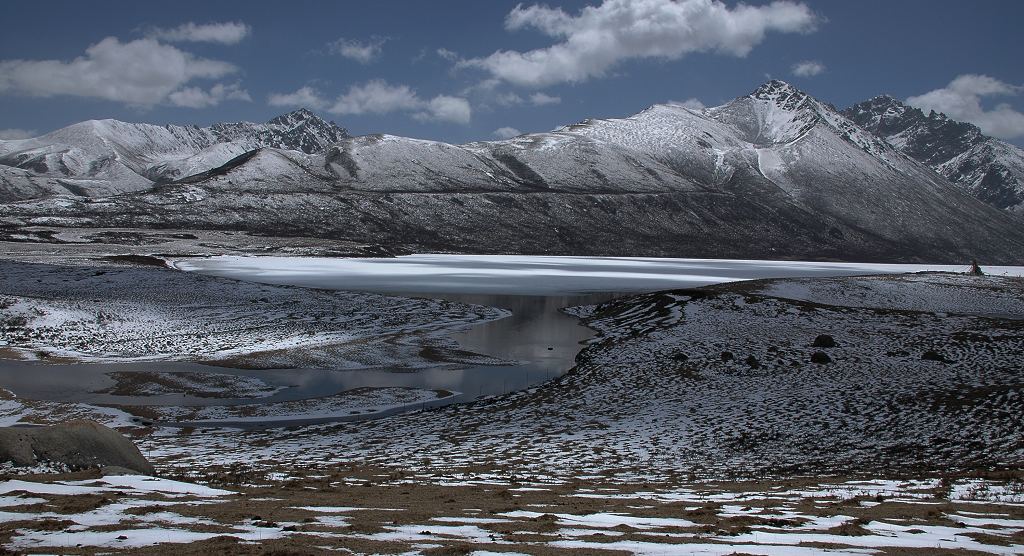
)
(231, 32)
(506, 132)
(376, 97)
(363, 52)
(142, 72)
(380, 97)
(807, 68)
(592, 42)
(691, 103)
(195, 97)
(15, 133)
(540, 99)
(305, 96)
(961, 100)
(445, 108)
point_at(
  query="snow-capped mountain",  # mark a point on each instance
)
(773, 174)
(990, 169)
(104, 157)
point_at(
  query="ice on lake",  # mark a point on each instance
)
(529, 275)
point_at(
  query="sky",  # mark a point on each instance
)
(465, 70)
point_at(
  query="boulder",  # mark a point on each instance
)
(821, 358)
(824, 341)
(79, 444)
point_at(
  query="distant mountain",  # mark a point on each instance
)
(990, 169)
(774, 174)
(103, 157)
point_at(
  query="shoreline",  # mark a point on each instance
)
(655, 423)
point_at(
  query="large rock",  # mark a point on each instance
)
(77, 444)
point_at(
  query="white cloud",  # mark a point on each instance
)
(599, 37)
(506, 132)
(304, 97)
(508, 99)
(141, 72)
(231, 32)
(691, 103)
(540, 99)
(536, 99)
(195, 97)
(376, 97)
(807, 68)
(380, 97)
(15, 133)
(449, 55)
(362, 52)
(445, 108)
(961, 100)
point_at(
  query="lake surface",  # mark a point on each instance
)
(538, 336)
(527, 275)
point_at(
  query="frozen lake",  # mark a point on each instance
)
(543, 340)
(528, 275)
(537, 335)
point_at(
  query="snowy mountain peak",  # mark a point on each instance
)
(892, 119)
(300, 113)
(776, 112)
(302, 130)
(888, 105)
(780, 92)
(989, 169)
(298, 117)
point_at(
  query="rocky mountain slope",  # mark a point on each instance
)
(990, 169)
(104, 157)
(774, 174)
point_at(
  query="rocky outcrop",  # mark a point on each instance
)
(76, 444)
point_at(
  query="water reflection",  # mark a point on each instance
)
(538, 336)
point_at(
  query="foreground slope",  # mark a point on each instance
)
(775, 174)
(990, 169)
(919, 373)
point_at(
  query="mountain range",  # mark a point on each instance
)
(104, 157)
(775, 174)
(990, 169)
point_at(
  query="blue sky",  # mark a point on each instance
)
(429, 69)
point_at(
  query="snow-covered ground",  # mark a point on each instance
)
(385, 515)
(697, 421)
(712, 383)
(731, 371)
(110, 313)
(150, 314)
(200, 384)
(936, 293)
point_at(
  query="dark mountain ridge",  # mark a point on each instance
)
(987, 168)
